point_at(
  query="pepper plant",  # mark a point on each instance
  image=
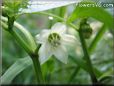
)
(68, 29)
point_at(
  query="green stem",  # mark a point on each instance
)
(10, 22)
(17, 37)
(20, 41)
(75, 72)
(37, 68)
(26, 33)
(34, 55)
(87, 58)
(55, 16)
(91, 47)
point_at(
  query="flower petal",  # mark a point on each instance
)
(44, 53)
(42, 37)
(69, 40)
(59, 27)
(61, 54)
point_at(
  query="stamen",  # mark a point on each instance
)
(54, 39)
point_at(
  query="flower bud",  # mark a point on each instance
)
(85, 29)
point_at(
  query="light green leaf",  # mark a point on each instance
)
(95, 12)
(107, 73)
(15, 69)
(109, 80)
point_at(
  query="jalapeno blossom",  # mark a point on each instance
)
(54, 42)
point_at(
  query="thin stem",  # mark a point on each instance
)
(10, 22)
(37, 68)
(75, 72)
(87, 58)
(91, 47)
(20, 41)
(26, 33)
(34, 55)
(80, 62)
(55, 16)
(17, 37)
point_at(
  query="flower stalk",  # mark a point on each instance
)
(11, 22)
(37, 68)
(91, 49)
(87, 57)
(17, 37)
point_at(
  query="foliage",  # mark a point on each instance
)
(90, 60)
(13, 7)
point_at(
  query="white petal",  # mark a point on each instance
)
(61, 54)
(59, 27)
(42, 37)
(44, 53)
(42, 5)
(69, 40)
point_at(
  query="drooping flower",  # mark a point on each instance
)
(54, 42)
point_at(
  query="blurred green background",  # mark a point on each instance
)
(53, 70)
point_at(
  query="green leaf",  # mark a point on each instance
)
(95, 12)
(107, 73)
(107, 79)
(13, 7)
(15, 69)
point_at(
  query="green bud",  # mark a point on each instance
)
(85, 29)
(12, 7)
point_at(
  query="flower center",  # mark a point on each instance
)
(54, 39)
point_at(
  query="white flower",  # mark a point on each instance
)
(53, 43)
